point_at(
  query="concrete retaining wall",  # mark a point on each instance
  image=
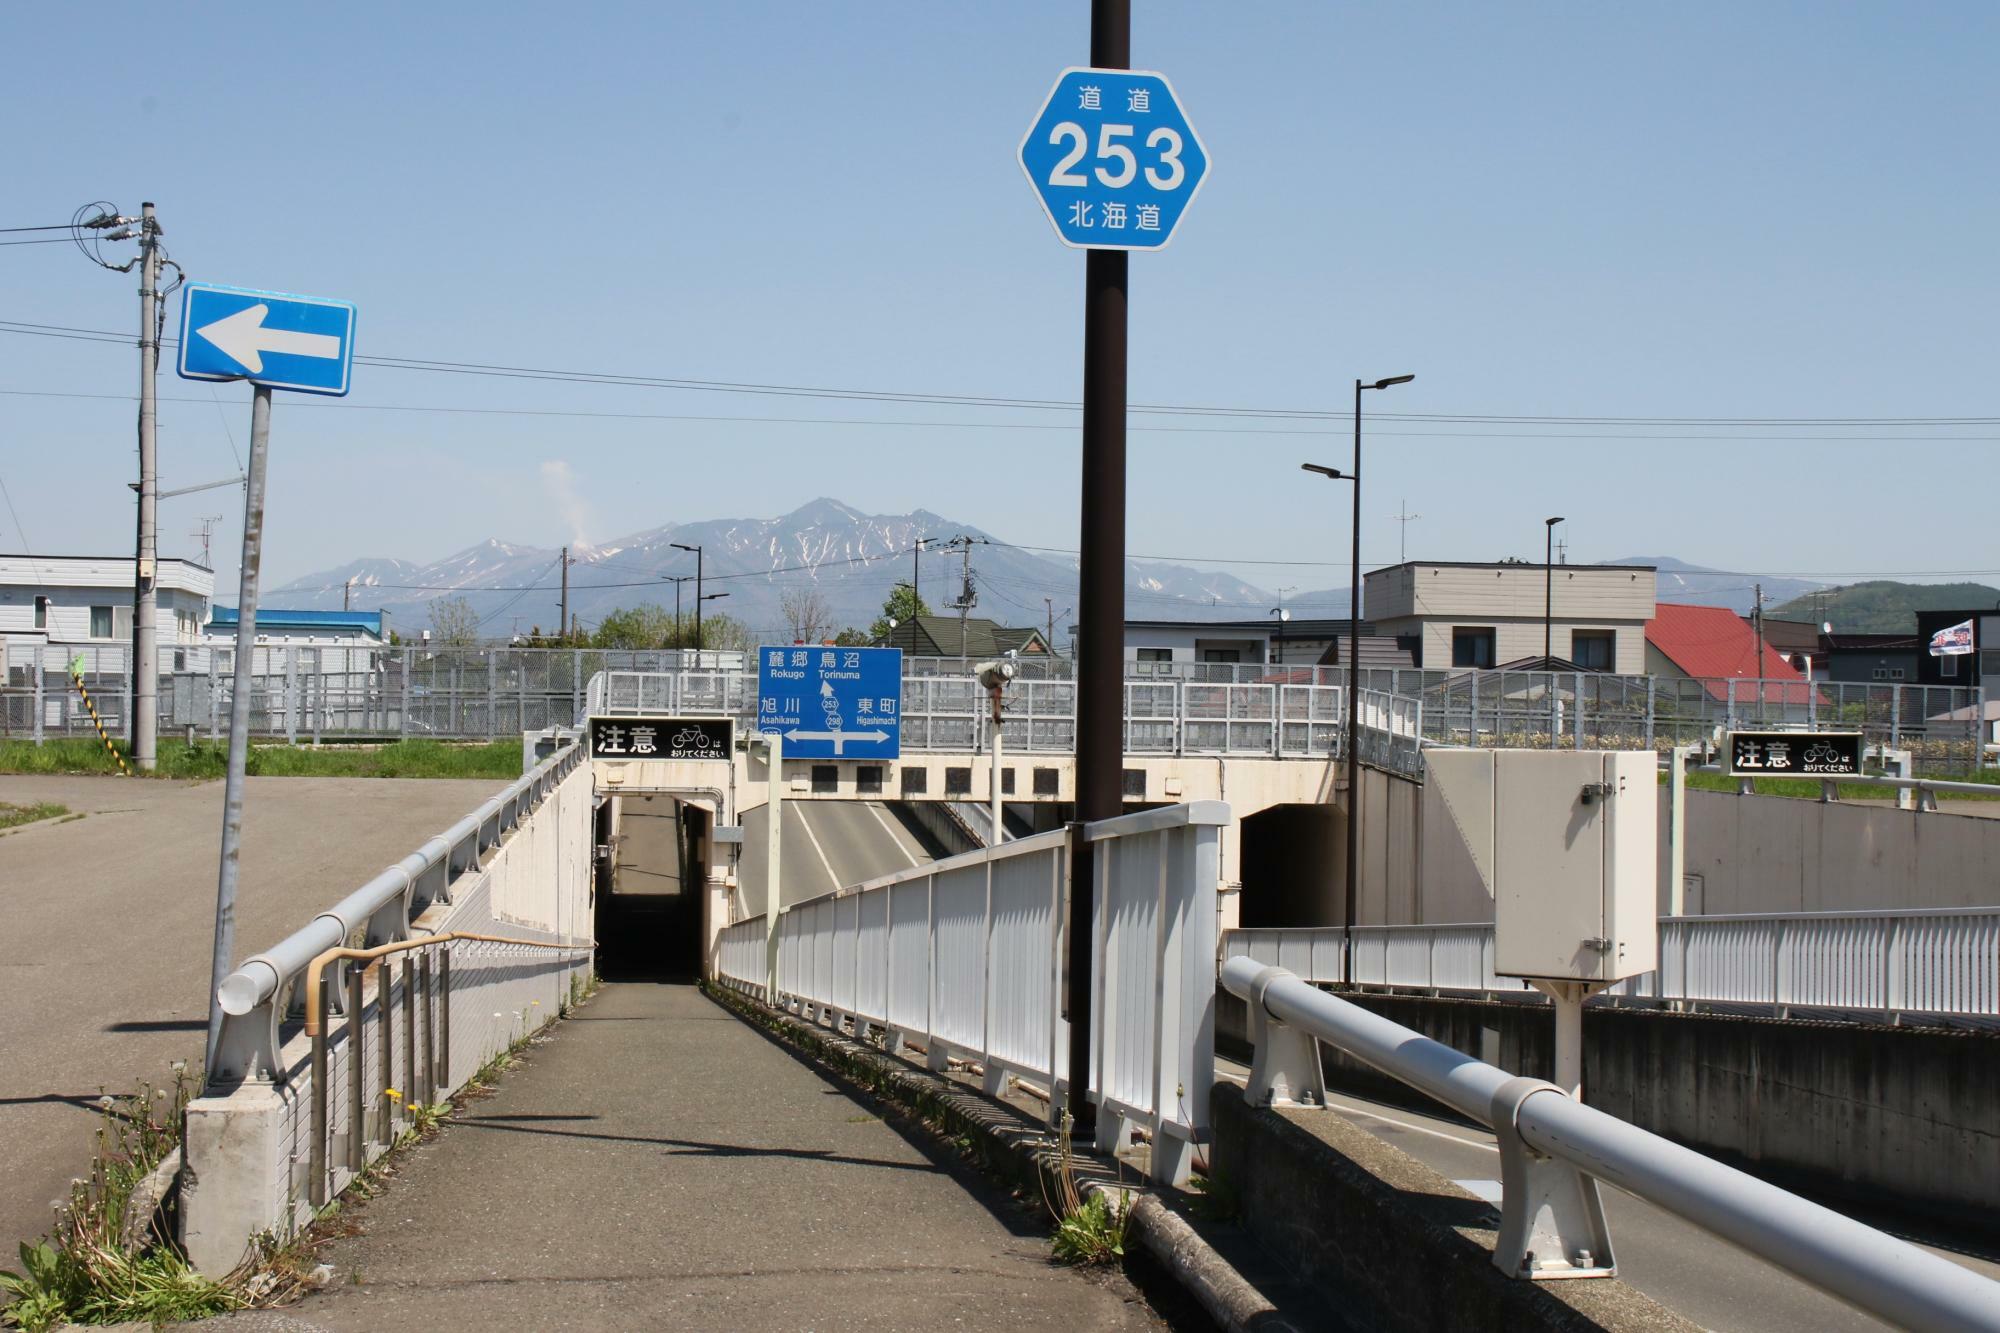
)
(248, 1148)
(1382, 1240)
(1886, 1116)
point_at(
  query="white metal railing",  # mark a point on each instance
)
(1165, 717)
(1942, 962)
(1554, 1150)
(257, 996)
(964, 957)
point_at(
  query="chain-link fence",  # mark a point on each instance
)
(315, 694)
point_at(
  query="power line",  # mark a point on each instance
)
(1058, 427)
(498, 370)
(54, 226)
(41, 240)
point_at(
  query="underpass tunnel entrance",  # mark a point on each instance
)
(649, 922)
(1294, 866)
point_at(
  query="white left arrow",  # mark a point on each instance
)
(243, 338)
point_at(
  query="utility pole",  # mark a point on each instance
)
(917, 573)
(677, 580)
(1405, 518)
(1757, 621)
(145, 580)
(965, 597)
(1049, 604)
(564, 622)
(1100, 711)
(347, 594)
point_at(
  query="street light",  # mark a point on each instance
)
(698, 599)
(1283, 615)
(1549, 591)
(1354, 678)
(699, 642)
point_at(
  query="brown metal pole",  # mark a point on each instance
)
(1100, 707)
(409, 1033)
(357, 1108)
(444, 1018)
(385, 1050)
(429, 1004)
(1353, 716)
(316, 1151)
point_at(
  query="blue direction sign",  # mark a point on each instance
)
(282, 342)
(1113, 159)
(832, 703)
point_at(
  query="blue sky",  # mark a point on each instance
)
(1689, 211)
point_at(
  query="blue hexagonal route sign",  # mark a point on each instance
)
(1113, 159)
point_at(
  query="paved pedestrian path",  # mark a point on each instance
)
(661, 1164)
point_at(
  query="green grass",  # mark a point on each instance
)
(13, 816)
(402, 759)
(1809, 788)
(85, 1272)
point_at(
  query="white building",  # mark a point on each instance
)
(1489, 615)
(87, 600)
(338, 641)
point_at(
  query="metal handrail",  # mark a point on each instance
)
(1867, 1268)
(385, 905)
(314, 1008)
(435, 1070)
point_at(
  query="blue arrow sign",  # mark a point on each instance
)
(1113, 159)
(282, 342)
(832, 703)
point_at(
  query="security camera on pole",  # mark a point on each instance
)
(993, 676)
(304, 344)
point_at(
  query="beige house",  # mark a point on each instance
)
(1490, 615)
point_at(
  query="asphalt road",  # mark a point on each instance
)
(1673, 1261)
(826, 845)
(661, 1164)
(109, 921)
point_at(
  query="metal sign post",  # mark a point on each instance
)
(301, 343)
(223, 959)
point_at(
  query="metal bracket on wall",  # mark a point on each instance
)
(1287, 1070)
(1551, 1219)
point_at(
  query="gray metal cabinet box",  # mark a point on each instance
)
(1567, 843)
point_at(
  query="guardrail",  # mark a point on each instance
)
(1926, 789)
(255, 996)
(963, 957)
(1941, 963)
(1554, 1150)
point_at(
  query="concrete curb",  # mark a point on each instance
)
(1007, 1146)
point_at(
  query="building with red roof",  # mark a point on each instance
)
(1715, 645)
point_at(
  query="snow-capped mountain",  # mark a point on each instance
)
(852, 558)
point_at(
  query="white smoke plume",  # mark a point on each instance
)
(560, 483)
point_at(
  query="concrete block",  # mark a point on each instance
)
(238, 1180)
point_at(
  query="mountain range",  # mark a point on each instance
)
(852, 559)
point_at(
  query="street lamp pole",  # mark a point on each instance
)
(1549, 591)
(698, 598)
(1354, 682)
